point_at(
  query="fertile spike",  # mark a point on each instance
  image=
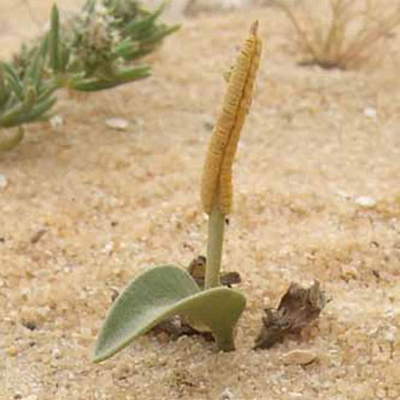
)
(216, 187)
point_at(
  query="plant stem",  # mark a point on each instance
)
(216, 224)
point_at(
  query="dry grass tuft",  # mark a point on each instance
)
(342, 34)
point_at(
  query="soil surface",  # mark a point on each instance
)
(317, 196)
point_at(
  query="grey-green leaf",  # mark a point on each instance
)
(160, 293)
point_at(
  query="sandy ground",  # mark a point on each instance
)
(114, 203)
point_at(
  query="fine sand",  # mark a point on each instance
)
(317, 196)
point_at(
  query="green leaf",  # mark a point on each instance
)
(150, 41)
(44, 46)
(4, 95)
(55, 39)
(119, 78)
(125, 48)
(35, 70)
(65, 55)
(136, 27)
(12, 77)
(46, 90)
(35, 114)
(160, 293)
(9, 118)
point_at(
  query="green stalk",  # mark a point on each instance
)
(216, 225)
(55, 40)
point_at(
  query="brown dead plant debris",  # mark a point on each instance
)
(197, 268)
(342, 34)
(298, 308)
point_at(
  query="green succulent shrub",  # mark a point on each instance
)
(97, 49)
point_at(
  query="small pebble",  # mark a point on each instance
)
(296, 396)
(12, 351)
(43, 312)
(227, 394)
(344, 195)
(56, 353)
(120, 124)
(365, 201)
(299, 357)
(349, 272)
(208, 125)
(31, 325)
(56, 122)
(370, 112)
(123, 371)
(38, 235)
(3, 182)
(108, 248)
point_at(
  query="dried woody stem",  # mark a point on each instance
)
(216, 190)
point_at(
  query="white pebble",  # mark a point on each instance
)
(3, 182)
(299, 357)
(56, 353)
(365, 201)
(119, 124)
(57, 121)
(296, 396)
(370, 112)
(108, 248)
(344, 195)
(227, 394)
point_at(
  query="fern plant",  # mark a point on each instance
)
(165, 291)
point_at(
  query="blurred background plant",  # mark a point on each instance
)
(342, 34)
(93, 50)
(24, 98)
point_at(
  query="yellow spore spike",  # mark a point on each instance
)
(216, 188)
